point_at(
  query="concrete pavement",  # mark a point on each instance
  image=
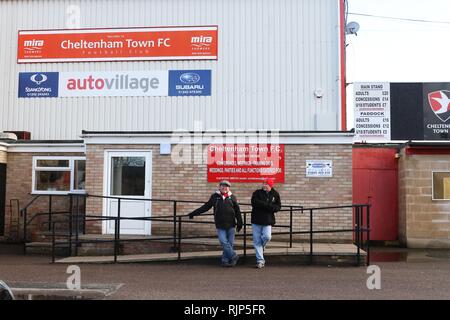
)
(422, 278)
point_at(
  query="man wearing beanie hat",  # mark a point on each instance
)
(227, 216)
(265, 202)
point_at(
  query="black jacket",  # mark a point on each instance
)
(264, 205)
(227, 213)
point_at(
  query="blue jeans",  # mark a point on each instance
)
(226, 238)
(261, 235)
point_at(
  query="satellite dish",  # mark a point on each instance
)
(352, 28)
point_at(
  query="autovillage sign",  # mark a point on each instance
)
(115, 83)
(118, 44)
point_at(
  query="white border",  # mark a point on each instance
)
(217, 137)
(194, 57)
(47, 147)
(115, 30)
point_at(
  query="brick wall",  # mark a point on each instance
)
(18, 186)
(189, 182)
(422, 221)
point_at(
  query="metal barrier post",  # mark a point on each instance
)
(119, 218)
(53, 243)
(361, 226)
(245, 234)
(310, 236)
(49, 212)
(358, 230)
(117, 232)
(77, 224)
(115, 239)
(24, 212)
(179, 238)
(84, 213)
(368, 233)
(70, 224)
(290, 227)
(174, 225)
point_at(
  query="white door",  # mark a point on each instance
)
(128, 175)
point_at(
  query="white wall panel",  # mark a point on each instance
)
(273, 54)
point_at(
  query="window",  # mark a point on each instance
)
(79, 174)
(58, 175)
(128, 176)
(441, 185)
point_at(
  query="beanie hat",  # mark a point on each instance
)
(269, 181)
(225, 183)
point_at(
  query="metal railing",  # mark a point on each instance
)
(360, 228)
(11, 218)
(360, 212)
(50, 214)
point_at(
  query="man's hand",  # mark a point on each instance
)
(191, 215)
(239, 227)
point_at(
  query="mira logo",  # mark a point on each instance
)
(201, 41)
(33, 45)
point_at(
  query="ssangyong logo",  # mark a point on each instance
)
(38, 78)
(440, 104)
(38, 84)
(190, 78)
(33, 45)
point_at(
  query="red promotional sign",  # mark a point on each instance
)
(164, 43)
(249, 163)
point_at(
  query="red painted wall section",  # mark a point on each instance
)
(375, 180)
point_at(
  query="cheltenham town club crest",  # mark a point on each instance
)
(440, 104)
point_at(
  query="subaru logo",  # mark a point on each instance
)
(38, 78)
(190, 78)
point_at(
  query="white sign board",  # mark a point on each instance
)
(107, 83)
(372, 111)
(319, 168)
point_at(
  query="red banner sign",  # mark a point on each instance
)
(249, 163)
(166, 43)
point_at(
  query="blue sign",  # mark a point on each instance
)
(189, 82)
(38, 84)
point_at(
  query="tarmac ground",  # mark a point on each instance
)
(404, 274)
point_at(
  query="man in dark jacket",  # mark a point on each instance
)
(227, 216)
(265, 202)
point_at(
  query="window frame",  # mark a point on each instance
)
(432, 184)
(70, 168)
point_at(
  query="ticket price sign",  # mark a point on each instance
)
(372, 111)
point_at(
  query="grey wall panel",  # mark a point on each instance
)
(273, 54)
